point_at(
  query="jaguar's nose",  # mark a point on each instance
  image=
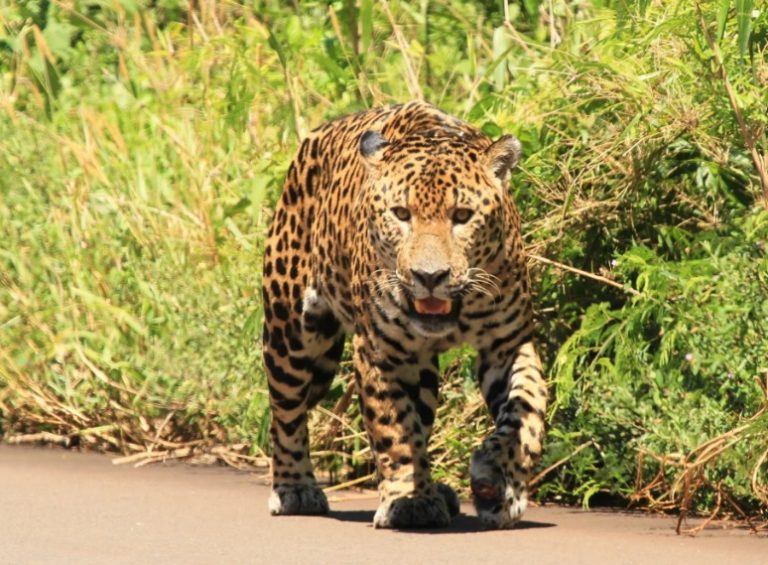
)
(430, 280)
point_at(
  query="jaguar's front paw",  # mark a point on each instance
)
(413, 512)
(451, 499)
(287, 500)
(499, 499)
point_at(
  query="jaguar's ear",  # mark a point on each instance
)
(502, 156)
(372, 144)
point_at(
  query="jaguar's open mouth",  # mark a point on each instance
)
(432, 306)
(432, 315)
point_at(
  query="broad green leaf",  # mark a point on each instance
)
(366, 21)
(501, 45)
(744, 23)
(722, 17)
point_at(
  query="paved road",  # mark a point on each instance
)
(62, 507)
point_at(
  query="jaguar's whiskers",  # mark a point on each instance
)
(483, 282)
(384, 281)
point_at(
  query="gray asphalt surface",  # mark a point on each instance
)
(60, 506)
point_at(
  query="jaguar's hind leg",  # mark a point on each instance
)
(303, 343)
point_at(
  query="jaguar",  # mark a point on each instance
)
(396, 227)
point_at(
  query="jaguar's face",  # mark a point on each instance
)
(437, 221)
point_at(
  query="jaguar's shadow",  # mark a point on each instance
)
(461, 524)
(365, 516)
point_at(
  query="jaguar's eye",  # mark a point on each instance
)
(401, 213)
(461, 215)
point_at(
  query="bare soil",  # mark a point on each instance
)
(60, 506)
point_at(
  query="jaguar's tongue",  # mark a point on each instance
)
(433, 306)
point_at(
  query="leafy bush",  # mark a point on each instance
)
(678, 364)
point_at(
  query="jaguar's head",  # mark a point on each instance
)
(437, 219)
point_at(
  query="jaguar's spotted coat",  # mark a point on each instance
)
(396, 226)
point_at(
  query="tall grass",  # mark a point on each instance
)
(142, 148)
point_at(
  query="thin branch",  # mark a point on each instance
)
(746, 131)
(353, 482)
(40, 437)
(586, 274)
(512, 31)
(535, 480)
(410, 75)
(353, 59)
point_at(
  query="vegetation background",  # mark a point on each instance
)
(142, 148)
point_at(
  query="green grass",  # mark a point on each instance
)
(142, 150)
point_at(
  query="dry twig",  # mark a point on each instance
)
(535, 480)
(582, 273)
(41, 437)
(351, 483)
(412, 79)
